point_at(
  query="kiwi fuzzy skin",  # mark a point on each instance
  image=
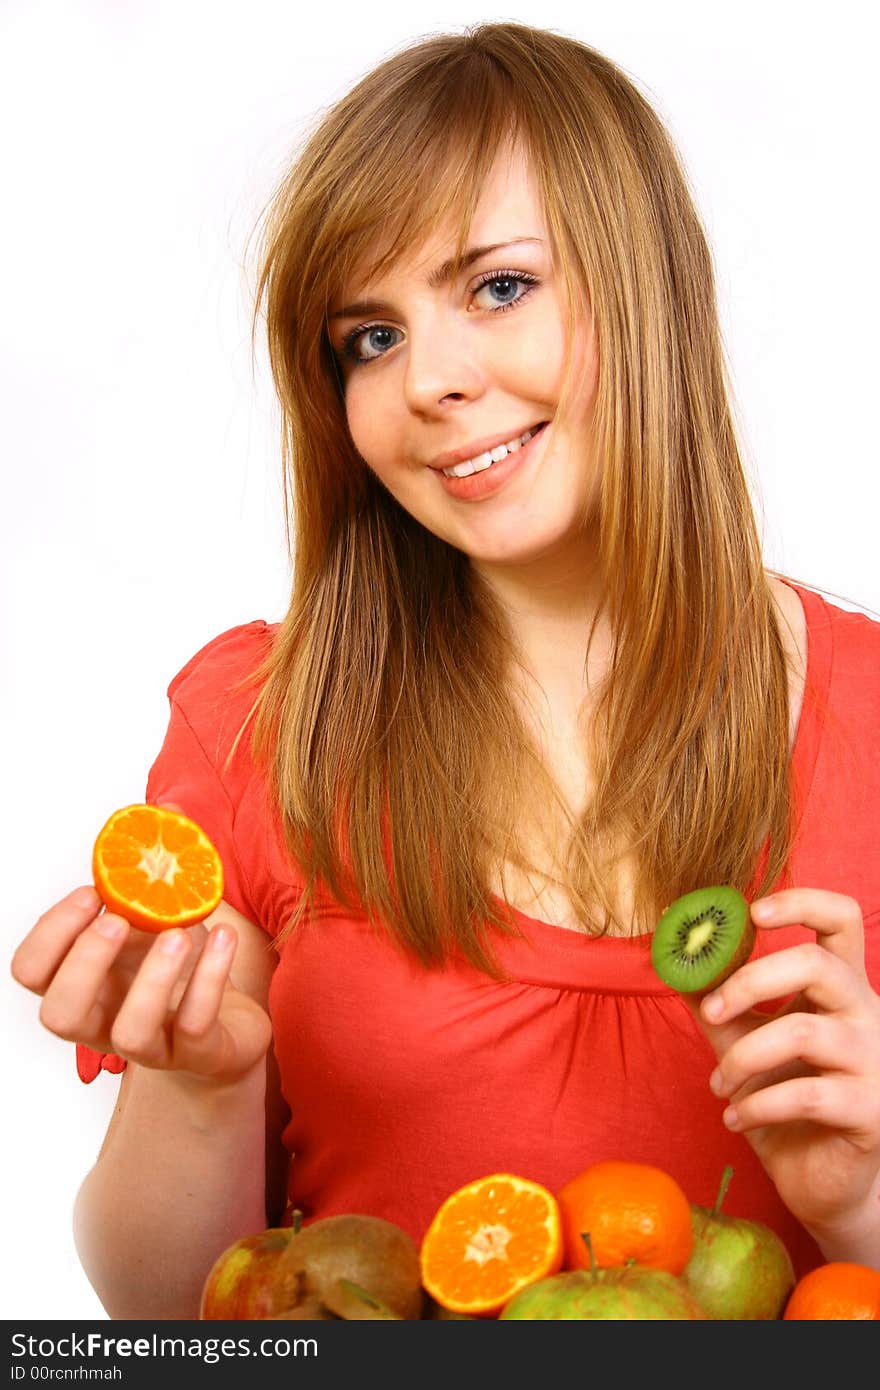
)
(693, 902)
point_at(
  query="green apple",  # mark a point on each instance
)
(739, 1269)
(620, 1292)
(623, 1292)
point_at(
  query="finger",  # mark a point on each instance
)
(815, 1040)
(835, 918)
(139, 1029)
(720, 1036)
(70, 1008)
(837, 1102)
(826, 981)
(198, 1009)
(49, 940)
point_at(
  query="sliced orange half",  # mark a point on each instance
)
(488, 1240)
(156, 868)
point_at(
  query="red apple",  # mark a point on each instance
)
(245, 1282)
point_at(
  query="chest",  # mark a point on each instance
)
(539, 894)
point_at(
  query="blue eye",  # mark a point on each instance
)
(504, 288)
(501, 289)
(370, 341)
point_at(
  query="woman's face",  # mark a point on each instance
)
(438, 371)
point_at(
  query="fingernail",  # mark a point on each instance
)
(731, 1117)
(219, 938)
(111, 927)
(716, 1083)
(86, 897)
(713, 1006)
(764, 910)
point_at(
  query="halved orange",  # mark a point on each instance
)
(489, 1239)
(156, 868)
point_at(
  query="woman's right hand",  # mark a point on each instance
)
(164, 1001)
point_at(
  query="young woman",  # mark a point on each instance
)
(534, 683)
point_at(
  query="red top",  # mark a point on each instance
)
(405, 1083)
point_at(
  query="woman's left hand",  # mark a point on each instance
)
(803, 1084)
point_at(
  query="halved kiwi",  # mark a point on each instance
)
(702, 938)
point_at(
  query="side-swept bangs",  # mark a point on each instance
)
(406, 152)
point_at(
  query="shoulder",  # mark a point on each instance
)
(793, 619)
(205, 763)
(839, 648)
(229, 657)
(853, 631)
(216, 688)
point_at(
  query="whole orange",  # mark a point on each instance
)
(631, 1211)
(835, 1291)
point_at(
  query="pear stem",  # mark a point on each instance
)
(722, 1190)
(297, 1220)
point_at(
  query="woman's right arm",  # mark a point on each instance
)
(182, 1172)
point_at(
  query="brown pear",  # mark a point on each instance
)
(376, 1255)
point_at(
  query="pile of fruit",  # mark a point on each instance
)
(619, 1241)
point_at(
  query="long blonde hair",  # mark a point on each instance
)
(384, 718)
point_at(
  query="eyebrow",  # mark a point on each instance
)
(363, 308)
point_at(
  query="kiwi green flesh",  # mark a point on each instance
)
(702, 938)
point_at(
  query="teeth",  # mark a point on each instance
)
(483, 461)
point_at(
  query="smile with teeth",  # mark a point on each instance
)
(483, 461)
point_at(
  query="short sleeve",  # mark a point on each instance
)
(209, 700)
(184, 775)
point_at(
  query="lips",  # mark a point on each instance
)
(480, 446)
(481, 484)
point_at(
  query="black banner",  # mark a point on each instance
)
(195, 1354)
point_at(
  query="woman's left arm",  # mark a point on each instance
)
(803, 1084)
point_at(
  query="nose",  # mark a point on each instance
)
(442, 367)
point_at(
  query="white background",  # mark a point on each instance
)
(141, 500)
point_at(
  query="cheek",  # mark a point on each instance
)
(363, 415)
(536, 358)
(544, 356)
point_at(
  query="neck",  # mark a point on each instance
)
(551, 604)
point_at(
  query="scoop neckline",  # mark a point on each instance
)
(804, 754)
